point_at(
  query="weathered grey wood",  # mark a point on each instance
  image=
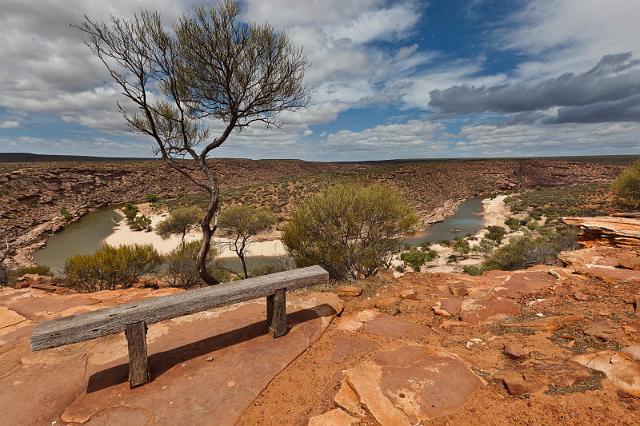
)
(277, 313)
(138, 362)
(63, 331)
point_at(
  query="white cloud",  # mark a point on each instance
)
(9, 124)
(569, 36)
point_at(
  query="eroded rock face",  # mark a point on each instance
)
(615, 231)
(199, 363)
(412, 384)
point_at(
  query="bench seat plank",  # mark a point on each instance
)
(67, 330)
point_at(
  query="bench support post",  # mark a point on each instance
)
(138, 363)
(277, 313)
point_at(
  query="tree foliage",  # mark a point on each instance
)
(627, 186)
(243, 223)
(180, 222)
(207, 66)
(351, 230)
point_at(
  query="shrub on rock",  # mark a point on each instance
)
(351, 230)
(111, 267)
(627, 186)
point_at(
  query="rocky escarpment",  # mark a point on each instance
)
(39, 198)
(554, 344)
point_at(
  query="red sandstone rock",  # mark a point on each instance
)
(516, 351)
(335, 417)
(621, 368)
(412, 384)
(518, 383)
(348, 291)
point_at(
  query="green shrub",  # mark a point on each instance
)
(152, 198)
(513, 223)
(415, 258)
(522, 252)
(37, 270)
(485, 246)
(461, 247)
(111, 267)
(268, 268)
(473, 270)
(351, 230)
(445, 243)
(496, 233)
(140, 223)
(65, 214)
(626, 187)
(130, 212)
(181, 268)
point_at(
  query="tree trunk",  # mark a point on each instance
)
(244, 265)
(207, 233)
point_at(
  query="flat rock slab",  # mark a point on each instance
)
(525, 283)
(487, 308)
(335, 417)
(610, 275)
(206, 369)
(621, 368)
(412, 384)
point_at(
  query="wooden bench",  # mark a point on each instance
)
(133, 318)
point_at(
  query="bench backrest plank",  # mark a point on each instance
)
(63, 331)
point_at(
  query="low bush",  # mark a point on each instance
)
(351, 230)
(626, 187)
(415, 258)
(461, 247)
(181, 268)
(268, 268)
(473, 270)
(513, 223)
(496, 233)
(152, 198)
(522, 252)
(65, 214)
(485, 246)
(111, 267)
(36, 270)
(130, 212)
(140, 223)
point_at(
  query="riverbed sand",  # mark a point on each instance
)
(123, 235)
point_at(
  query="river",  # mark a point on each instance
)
(89, 233)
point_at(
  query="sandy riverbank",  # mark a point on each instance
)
(123, 235)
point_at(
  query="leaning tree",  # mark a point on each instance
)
(209, 71)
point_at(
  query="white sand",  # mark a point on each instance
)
(123, 235)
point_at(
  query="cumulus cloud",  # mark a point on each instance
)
(606, 92)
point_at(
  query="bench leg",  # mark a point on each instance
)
(138, 364)
(277, 313)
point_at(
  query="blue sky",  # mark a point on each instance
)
(390, 79)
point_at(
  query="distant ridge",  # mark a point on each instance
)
(25, 157)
